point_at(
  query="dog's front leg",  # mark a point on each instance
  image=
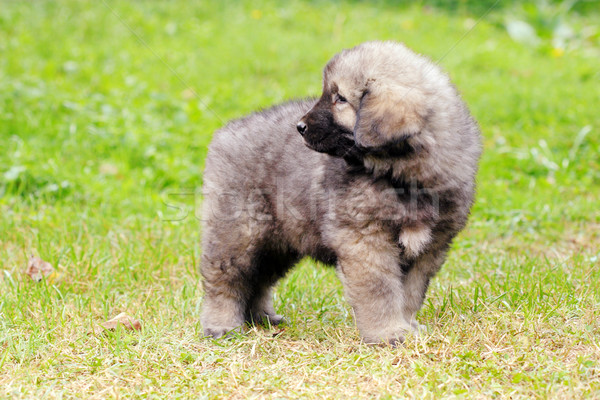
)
(374, 287)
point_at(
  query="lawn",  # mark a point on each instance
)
(106, 111)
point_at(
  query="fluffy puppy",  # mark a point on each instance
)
(376, 177)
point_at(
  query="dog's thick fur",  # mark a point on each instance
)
(378, 184)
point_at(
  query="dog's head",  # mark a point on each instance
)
(373, 101)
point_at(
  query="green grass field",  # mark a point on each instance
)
(106, 111)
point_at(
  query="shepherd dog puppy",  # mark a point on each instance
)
(376, 177)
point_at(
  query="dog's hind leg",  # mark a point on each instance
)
(271, 266)
(238, 278)
(261, 309)
(226, 294)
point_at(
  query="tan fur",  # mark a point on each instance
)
(386, 116)
(415, 240)
(345, 115)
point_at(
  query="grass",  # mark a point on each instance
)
(106, 109)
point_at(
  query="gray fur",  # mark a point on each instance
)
(380, 183)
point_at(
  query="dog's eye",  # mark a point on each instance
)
(340, 99)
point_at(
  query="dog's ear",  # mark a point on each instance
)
(389, 116)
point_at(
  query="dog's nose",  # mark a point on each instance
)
(301, 126)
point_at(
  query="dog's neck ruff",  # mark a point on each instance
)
(380, 162)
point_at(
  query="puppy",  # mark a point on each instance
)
(376, 177)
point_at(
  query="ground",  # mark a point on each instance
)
(106, 111)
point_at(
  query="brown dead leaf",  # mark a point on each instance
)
(107, 168)
(38, 268)
(122, 319)
(188, 94)
(278, 332)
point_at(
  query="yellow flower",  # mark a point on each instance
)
(407, 24)
(557, 52)
(256, 14)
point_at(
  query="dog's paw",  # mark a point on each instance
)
(268, 319)
(219, 332)
(415, 331)
(214, 333)
(394, 340)
(276, 319)
(393, 336)
(417, 328)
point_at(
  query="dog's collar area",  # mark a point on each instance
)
(399, 148)
(356, 154)
(355, 159)
(355, 165)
